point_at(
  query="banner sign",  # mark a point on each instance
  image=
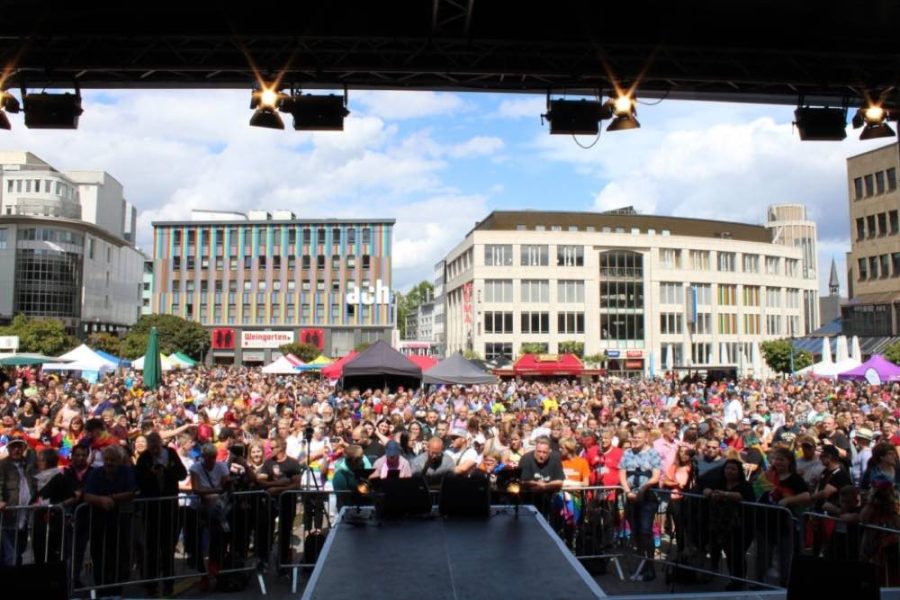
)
(266, 339)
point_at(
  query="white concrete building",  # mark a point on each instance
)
(790, 227)
(636, 286)
(64, 248)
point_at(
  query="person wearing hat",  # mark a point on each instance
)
(465, 458)
(392, 464)
(863, 441)
(17, 488)
(809, 467)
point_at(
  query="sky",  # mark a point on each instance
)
(440, 162)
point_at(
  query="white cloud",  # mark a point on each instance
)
(477, 146)
(407, 105)
(520, 108)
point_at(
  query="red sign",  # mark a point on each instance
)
(313, 337)
(223, 338)
(467, 303)
(634, 354)
(634, 364)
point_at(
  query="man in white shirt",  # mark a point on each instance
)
(734, 409)
(466, 458)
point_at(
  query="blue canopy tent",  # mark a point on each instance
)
(119, 362)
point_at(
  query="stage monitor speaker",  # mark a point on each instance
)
(47, 582)
(402, 497)
(466, 496)
(820, 578)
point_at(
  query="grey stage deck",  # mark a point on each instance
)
(449, 559)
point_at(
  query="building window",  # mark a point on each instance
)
(670, 293)
(336, 262)
(305, 286)
(320, 285)
(791, 267)
(751, 325)
(498, 290)
(498, 255)
(895, 258)
(772, 264)
(700, 260)
(773, 297)
(336, 235)
(773, 324)
(320, 313)
(858, 188)
(727, 323)
(701, 353)
(726, 262)
(793, 298)
(751, 263)
(569, 291)
(879, 182)
(305, 262)
(669, 258)
(670, 323)
(535, 322)
(860, 228)
(498, 322)
(703, 324)
(570, 322)
(885, 260)
(498, 351)
(870, 185)
(892, 179)
(622, 298)
(882, 224)
(366, 235)
(727, 295)
(366, 262)
(535, 290)
(751, 295)
(570, 256)
(534, 255)
(703, 292)
(351, 235)
(320, 262)
(335, 312)
(320, 236)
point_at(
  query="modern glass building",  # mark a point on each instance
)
(261, 280)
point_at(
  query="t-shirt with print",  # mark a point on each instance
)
(639, 466)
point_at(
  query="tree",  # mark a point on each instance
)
(572, 347)
(362, 346)
(777, 354)
(892, 353)
(596, 359)
(44, 336)
(175, 335)
(533, 348)
(106, 342)
(471, 355)
(305, 352)
(408, 303)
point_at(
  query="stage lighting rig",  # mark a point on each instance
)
(873, 119)
(52, 111)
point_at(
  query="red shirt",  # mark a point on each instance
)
(611, 459)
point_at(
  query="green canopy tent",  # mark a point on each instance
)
(152, 362)
(20, 359)
(183, 359)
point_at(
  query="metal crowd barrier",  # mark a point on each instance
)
(32, 534)
(697, 532)
(590, 520)
(149, 541)
(834, 538)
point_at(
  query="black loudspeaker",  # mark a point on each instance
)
(402, 498)
(35, 581)
(819, 578)
(466, 496)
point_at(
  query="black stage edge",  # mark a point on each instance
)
(504, 556)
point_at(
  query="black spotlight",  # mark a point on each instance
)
(624, 114)
(576, 117)
(52, 111)
(266, 102)
(874, 118)
(317, 113)
(821, 124)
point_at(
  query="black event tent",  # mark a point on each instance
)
(456, 370)
(380, 366)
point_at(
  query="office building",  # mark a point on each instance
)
(790, 227)
(63, 248)
(644, 289)
(261, 280)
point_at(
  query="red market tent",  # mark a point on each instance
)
(424, 362)
(336, 369)
(548, 365)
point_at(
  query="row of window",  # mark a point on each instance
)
(262, 262)
(533, 255)
(261, 317)
(44, 234)
(262, 286)
(878, 267)
(532, 322)
(37, 186)
(875, 183)
(305, 235)
(699, 260)
(727, 295)
(533, 290)
(592, 228)
(879, 225)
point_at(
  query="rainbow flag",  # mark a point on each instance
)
(763, 484)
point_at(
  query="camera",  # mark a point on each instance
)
(308, 432)
(239, 450)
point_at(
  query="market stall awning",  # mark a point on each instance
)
(548, 365)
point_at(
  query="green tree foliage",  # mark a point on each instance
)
(777, 354)
(175, 335)
(471, 355)
(532, 348)
(892, 353)
(305, 352)
(408, 303)
(596, 359)
(362, 346)
(572, 347)
(45, 336)
(107, 342)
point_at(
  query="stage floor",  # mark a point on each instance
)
(449, 559)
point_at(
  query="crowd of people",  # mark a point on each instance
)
(88, 453)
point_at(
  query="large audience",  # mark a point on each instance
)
(805, 445)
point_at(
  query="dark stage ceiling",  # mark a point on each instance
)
(769, 51)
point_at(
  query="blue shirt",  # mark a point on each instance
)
(639, 467)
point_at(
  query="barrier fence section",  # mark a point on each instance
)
(847, 539)
(149, 541)
(34, 534)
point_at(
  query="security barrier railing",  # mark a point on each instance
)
(32, 534)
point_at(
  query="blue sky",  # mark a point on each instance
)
(438, 162)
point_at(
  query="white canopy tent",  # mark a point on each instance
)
(281, 366)
(167, 363)
(829, 369)
(81, 358)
